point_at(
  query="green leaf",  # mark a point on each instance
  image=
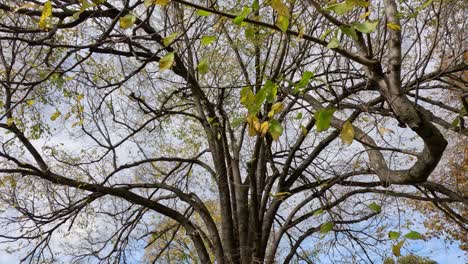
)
(30, 102)
(456, 121)
(347, 133)
(240, 18)
(327, 227)
(375, 207)
(260, 98)
(46, 15)
(323, 118)
(350, 31)
(207, 40)
(334, 43)
(424, 5)
(282, 23)
(366, 27)
(396, 249)
(203, 13)
(275, 129)
(169, 39)
(166, 62)
(341, 8)
(298, 116)
(255, 5)
(203, 66)
(413, 235)
(247, 98)
(280, 7)
(393, 235)
(127, 21)
(272, 90)
(237, 122)
(305, 79)
(318, 212)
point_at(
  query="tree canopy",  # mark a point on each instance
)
(278, 131)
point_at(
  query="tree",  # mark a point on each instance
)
(410, 259)
(308, 122)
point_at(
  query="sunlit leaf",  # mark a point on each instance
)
(305, 79)
(203, 66)
(347, 133)
(207, 40)
(367, 26)
(203, 13)
(365, 15)
(333, 44)
(280, 7)
(46, 16)
(275, 109)
(240, 18)
(272, 90)
(127, 21)
(55, 115)
(166, 62)
(254, 124)
(341, 8)
(169, 39)
(30, 102)
(393, 26)
(323, 119)
(282, 23)
(247, 98)
(264, 128)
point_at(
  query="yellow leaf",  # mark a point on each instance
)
(10, 121)
(127, 21)
(393, 26)
(166, 62)
(276, 108)
(55, 115)
(30, 102)
(280, 7)
(149, 3)
(365, 15)
(257, 125)
(283, 23)
(347, 133)
(281, 195)
(169, 39)
(264, 128)
(44, 21)
(252, 120)
(304, 130)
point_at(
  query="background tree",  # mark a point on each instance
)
(308, 122)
